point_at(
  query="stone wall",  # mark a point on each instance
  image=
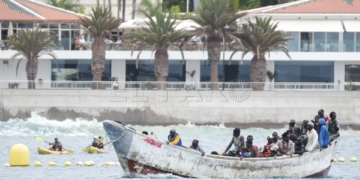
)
(265, 109)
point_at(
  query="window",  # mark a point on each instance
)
(304, 71)
(352, 73)
(332, 42)
(358, 42)
(319, 42)
(293, 45)
(349, 42)
(145, 72)
(306, 42)
(77, 70)
(235, 71)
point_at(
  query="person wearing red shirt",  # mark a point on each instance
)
(326, 117)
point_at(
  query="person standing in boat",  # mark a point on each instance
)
(294, 130)
(56, 146)
(238, 142)
(312, 138)
(286, 147)
(333, 126)
(174, 138)
(195, 146)
(323, 135)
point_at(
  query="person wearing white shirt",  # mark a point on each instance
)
(312, 138)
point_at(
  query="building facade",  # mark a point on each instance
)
(324, 54)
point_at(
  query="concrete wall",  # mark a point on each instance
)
(174, 107)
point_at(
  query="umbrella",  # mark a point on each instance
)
(188, 25)
(10, 30)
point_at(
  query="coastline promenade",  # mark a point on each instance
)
(268, 109)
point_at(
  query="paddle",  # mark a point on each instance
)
(42, 140)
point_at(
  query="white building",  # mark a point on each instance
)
(325, 53)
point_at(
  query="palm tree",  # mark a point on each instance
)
(99, 26)
(260, 38)
(71, 5)
(159, 34)
(31, 44)
(213, 16)
(149, 7)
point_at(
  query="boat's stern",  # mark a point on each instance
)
(122, 138)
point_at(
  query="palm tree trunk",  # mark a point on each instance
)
(31, 72)
(161, 67)
(214, 47)
(123, 10)
(133, 9)
(97, 62)
(258, 73)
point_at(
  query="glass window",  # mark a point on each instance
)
(319, 42)
(5, 25)
(352, 73)
(306, 42)
(333, 41)
(4, 33)
(145, 72)
(349, 42)
(293, 45)
(304, 71)
(43, 25)
(25, 25)
(75, 26)
(77, 70)
(65, 26)
(65, 40)
(358, 42)
(235, 71)
(56, 26)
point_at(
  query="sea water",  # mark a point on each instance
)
(79, 133)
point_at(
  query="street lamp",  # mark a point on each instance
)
(224, 48)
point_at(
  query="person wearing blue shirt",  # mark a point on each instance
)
(324, 140)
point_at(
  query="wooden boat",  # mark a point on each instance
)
(138, 153)
(46, 151)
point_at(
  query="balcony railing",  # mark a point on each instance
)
(180, 86)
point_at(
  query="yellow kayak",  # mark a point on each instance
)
(46, 151)
(92, 150)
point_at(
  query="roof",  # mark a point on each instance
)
(318, 7)
(33, 11)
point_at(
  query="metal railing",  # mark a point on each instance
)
(180, 86)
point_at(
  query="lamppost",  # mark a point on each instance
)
(224, 48)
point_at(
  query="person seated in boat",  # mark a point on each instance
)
(237, 141)
(174, 138)
(101, 143)
(286, 147)
(324, 139)
(269, 150)
(304, 132)
(333, 127)
(250, 138)
(312, 138)
(299, 146)
(325, 116)
(249, 150)
(195, 146)
(95, 143)
(56, 146)
(276, 137)
(294, 130)
(316, 124)
(153, 135)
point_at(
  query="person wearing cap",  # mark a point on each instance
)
(100, 143)
(237, 141)
(174, 138)
(312, 137)
(268, 146)
(294, 130)
(57, 146)
(324, 139)
(95, 143)
(299, 146)
(195, 146)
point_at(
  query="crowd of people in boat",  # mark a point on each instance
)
(310, 135)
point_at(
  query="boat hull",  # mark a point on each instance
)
(138, 153)
(46, 151)
(93, 150)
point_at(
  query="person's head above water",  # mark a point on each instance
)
(292, 123)
(195, 143)
(172, 132)
(236, 132)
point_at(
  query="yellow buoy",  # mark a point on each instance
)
(6, 165)
(109, 164)
(37, 164)
(87, 163)
(91, 163)
(67, 163)
(51, 163)
(79, 163)
(341, 160)
(19, 155)
(353, 159)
